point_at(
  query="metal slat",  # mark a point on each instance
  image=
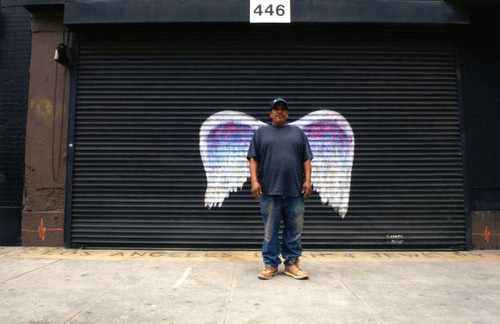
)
(138, 179)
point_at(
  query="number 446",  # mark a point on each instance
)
(280, 10)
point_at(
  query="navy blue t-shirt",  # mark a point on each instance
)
(280, 152)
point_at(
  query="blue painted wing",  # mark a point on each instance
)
(332, 144)
(224, 140)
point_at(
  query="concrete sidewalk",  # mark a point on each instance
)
(55, 285)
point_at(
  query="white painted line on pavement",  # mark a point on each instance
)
(181, 280)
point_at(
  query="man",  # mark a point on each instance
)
(280, 171)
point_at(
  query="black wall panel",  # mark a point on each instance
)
(480, 68)
(138, 179)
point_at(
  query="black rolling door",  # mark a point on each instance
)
(138, 179)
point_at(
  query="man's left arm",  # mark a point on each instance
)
(306, 187)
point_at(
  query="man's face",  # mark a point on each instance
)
(279, 114)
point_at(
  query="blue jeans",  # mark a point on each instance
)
(291, 210)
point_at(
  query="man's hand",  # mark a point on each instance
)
(256, 190)
(306, 189)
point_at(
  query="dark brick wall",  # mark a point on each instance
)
(15, 51)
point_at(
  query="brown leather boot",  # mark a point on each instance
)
(295, 272)
(268, 273)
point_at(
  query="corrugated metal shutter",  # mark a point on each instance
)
(138, 179)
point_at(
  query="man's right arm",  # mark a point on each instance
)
(256, 188)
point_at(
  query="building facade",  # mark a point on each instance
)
(137, 142)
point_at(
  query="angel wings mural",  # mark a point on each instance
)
(225, 137)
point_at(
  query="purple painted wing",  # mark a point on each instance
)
(224, 140)
(332, 144)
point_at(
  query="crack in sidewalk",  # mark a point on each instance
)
(230, 294)
(30, 271)
(365, 306)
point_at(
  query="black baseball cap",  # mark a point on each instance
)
(278, 100)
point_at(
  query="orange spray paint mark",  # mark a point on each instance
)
(486, 234)
(42, 230)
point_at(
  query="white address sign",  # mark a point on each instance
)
(270, 11)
